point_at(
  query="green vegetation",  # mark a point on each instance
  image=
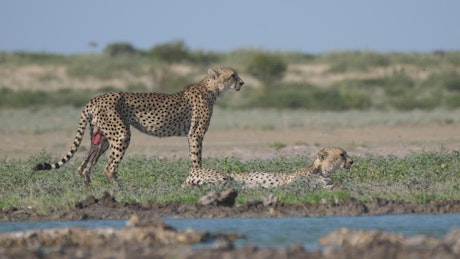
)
(353, 80)
(41, 99)
(417, 177)
(268, 68)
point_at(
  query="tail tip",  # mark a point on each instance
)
(40, 167)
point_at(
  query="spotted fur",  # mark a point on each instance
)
(327, 161)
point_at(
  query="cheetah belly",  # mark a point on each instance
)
(160, 125)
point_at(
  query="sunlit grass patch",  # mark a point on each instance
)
(416, 177)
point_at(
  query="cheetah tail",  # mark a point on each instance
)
(73, 149)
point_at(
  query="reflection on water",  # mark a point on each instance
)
(19, 226)
(280, 232)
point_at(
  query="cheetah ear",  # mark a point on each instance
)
(322, 154)
(213, 73)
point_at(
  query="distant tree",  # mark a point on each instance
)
(171, 52)
(268, 68)
(120, 48)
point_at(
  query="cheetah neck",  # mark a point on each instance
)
(307, 171)
(212, 89)
(204, 89)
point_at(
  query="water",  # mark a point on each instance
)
(280, 232)
(20, 226)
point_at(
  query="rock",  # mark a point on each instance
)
(347, 238)
(344, 238)
(452, 240)
(225, 198)
(344, 243)
(152, 231)
(420, 240)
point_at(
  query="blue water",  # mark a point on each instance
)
(280, 232)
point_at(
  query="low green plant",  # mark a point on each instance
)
(277, 145)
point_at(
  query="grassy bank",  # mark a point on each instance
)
(417, 177)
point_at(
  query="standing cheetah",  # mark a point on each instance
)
(327, 161)
(185, 113)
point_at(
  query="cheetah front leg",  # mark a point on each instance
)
(118, 146)
(195, 143)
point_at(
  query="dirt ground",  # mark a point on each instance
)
(247, 144)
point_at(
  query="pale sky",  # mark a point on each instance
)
(67, 27)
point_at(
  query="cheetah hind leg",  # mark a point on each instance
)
(99, 145)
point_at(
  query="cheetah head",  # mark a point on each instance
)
(330, 159)
(225, 78)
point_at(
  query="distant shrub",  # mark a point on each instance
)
(104, 67)
(447, 83)
(38, 98)
(451, 100)
(268, 68)
(22, 57)
(203, 57)
(409, 102)
(449, 80)
(398, 91)
(398, 84)
(356, 99)
(171, 52)
(120, 49)
(300, 97)
(23, 98)
(404, 93)
(342, 62)
(453, 57)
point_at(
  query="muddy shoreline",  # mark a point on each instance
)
(107, 207)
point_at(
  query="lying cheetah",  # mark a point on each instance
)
(185, 113)
(327, 161)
